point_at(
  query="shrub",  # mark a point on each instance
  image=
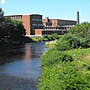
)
(81, 30)
(69, 74)
(52, 36)
(71, 41)
(68, 42)
(64, 68)
(50, 44)
(51, 58)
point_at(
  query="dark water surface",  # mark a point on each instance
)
(20, 66)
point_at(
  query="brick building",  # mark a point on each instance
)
(35, 25)
(30, 22)
(57, 23)
(58, 26)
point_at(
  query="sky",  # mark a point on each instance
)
(54, 9)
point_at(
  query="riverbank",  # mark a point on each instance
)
(66, 66)
(58, 74)
(27, 39)
(46, 38)
(50, 44)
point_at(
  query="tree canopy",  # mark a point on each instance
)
(81, 30)
(1, 15)
(10, 30)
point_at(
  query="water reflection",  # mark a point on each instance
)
(22, 61)
(27, 52)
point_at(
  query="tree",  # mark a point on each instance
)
(1, 12)
(81, 30)
(18, 31)
(10, 30)
(1, 15)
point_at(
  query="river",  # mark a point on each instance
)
(20, 66)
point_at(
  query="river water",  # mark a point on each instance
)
(20, 66)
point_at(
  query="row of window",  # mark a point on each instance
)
(37, 19)
(37, 24)
(51, 32)
(55, 27)
(16, 17)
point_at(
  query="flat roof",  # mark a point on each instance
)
(21, 15)
(63, 19)
(12, 15)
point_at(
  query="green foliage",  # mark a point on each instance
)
(71, 41)
(49, 58)
(54, 57)
(1, 15)
(68, 42)
(82, 30)
(51, 37)
(50, 44)
(65, 66)
(1, 12)
(18, 30)
(46, 37)
(65, 75)
(38, 38)
(11, 31)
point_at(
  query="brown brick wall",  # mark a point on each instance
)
(54, 23)
(38, 31)
(26, 23)
(58, 22)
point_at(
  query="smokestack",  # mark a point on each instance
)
(78, 21)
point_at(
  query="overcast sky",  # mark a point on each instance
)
(61, 9)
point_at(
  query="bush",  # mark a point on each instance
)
(65, 66)
(50, 44)
(81, 30)
(46, 37)
(71, 41)
(65, 70)
(51, 58)
(68, 42)
(51, 37)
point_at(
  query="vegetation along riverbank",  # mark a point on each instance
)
(11, 31)
(46, 38)
(66, 66)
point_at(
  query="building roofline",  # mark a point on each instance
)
(64, 19)
(12, 15)
(36, 14)
(22, 15)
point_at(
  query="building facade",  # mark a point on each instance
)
(35, 25)
(30, 22)
(58, 22)
(58, 26)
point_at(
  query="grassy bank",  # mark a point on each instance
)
(50, 44)
(72, 74)
(66, 65)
